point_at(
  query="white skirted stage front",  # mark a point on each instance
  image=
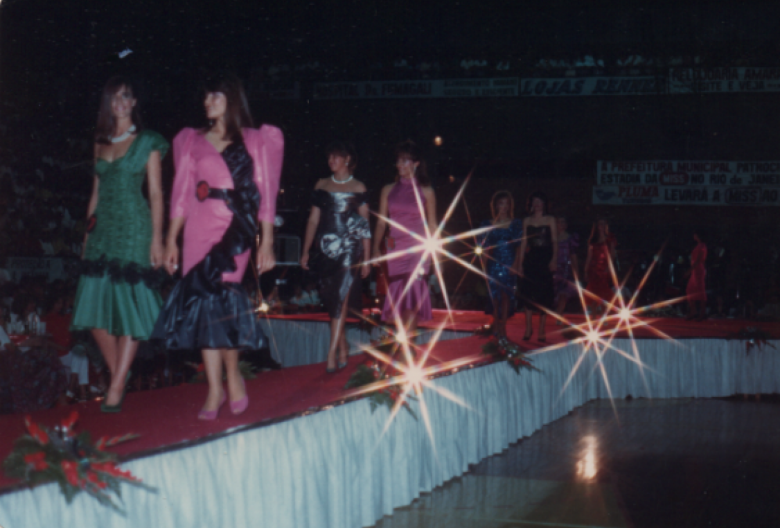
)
(297, 342)
(334, 468)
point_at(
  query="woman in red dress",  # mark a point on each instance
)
(601, 248)
(696, 290)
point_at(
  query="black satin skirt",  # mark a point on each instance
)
(204, 313)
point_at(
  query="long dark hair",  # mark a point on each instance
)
(344, 149)
(543, 197)
(594, 232)
(106, 122)
(408, 149)
(500, 195)
(237, 114)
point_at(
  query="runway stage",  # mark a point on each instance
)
(302, 457)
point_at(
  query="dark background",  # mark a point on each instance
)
(55, 56)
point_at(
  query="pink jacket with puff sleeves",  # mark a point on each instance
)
(205, 222)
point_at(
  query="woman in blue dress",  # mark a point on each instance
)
(501, 245)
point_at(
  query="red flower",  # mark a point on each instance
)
(36, 432)
(71, 470)
(101, 443)
(111, 469)
(36, 460)
(94, 479)
(202, 191)
(70, 421)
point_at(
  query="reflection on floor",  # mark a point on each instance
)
(663, 463)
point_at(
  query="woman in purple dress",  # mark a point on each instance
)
(568, 265)
(409, 202)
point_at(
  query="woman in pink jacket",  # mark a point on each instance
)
(227, 180)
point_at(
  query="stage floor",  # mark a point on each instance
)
(166, 418)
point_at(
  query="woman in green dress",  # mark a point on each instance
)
(116, 297)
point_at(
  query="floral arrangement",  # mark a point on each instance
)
(753, 337)
(71, 460)
(373, 371)
(503, 348)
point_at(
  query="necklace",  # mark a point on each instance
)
(341, 182)
(120, 138)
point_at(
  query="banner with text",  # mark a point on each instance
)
(420, 89)
(723, 80)
(592, 86)
(687, 183)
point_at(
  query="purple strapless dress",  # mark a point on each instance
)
(404, 209)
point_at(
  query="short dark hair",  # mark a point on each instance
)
(237, 113)
(500, 195)
(344, 149)
(106, 123)
(534, 195)
(409, 149)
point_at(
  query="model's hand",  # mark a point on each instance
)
(365, 270)
(553, 266)
(157, 254)
(305, 260)
(171, 258)
(266, 261)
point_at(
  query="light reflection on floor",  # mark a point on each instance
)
(665, 463)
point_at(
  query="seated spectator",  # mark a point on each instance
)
(58, 326)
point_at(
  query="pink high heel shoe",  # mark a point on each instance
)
(212, 415)
(237, 407)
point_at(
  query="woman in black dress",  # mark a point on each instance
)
(339, 219)
(538, 262)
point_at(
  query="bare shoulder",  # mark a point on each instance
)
(428, 191)
(360, 186)
(387, 188)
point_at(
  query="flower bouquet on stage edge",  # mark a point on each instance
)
(375, 371)
(70, 460)
(503, 348)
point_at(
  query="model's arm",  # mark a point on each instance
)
(93, 201)
(381, 223)
(365, 269)
(181, 196)
(268, 184)
(311, 229)
(554, 236)
(521, 252)
(430, 208)
(154, 176)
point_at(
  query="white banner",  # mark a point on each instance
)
(723, 80)
(690, 195)
(592, 86)
(420, 89)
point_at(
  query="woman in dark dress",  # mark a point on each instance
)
(339, 223)
(537, 263)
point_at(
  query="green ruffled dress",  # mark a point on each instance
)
(116, 289)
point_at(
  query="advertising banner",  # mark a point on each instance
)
(551, 87)
(419, 89)
(723, 80)
(709, 182)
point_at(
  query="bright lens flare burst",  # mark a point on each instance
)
(618, 316)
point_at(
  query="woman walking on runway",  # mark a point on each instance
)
(227, 179)
(339, 219)
(116, 298)
(568, 265)
(502, 243)
(411, 203)
(601, 249)
(537, 263)
(696, 290)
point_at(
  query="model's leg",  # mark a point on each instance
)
(126, 349)
(504, 314)
(108, 346)
(496, 324)
(561, 306)
(409, 318)
(212, 361)
(529, 329)
(235, 381)
(335, 336)
(342, 334)
(542, 328)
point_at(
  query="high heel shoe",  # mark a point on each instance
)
(237, 407)
(104, 407)
(212, 415)
(342, 365)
